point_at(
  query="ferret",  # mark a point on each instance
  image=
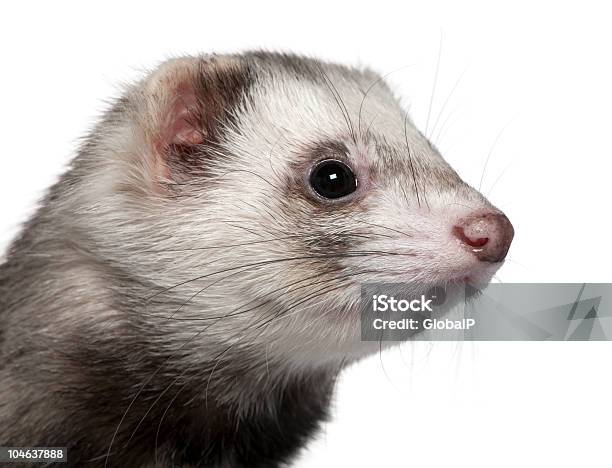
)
(186, 294)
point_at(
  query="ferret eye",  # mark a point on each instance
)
(333, 179)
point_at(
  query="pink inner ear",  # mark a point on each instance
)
(183, 126)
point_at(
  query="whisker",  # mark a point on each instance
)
(384, 227)
(473, 208)
(238, 311)
(414, 179)
(433, 129)
(512, 260)
(222, 246)
(435, 83)
(489, 155)
(365, 95)
(347, 254)
(439, 138)
(340, 102)
(318, 293)
(282, 136)
(248, 172)
(498, 179)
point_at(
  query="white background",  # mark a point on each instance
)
(534, 92)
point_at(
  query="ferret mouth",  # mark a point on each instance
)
(477, 276)
(479, 279)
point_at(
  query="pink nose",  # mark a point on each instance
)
(488, 235)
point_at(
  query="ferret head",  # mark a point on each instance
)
(251, 195)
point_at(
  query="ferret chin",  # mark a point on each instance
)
(185, 294)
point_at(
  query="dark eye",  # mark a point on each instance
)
(333, 179)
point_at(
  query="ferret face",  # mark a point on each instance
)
(262, 190)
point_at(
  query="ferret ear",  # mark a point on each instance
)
(188, 102)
